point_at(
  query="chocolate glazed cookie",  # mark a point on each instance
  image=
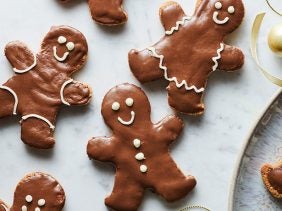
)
(106, 12)
(139, 149)
(39, 192)
(43, 83)
(193, 47)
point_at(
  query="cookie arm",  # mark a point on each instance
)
(19, 55)
(76, 93)
(101, 148)
(170, 13)
(232, 58)
(170, 127)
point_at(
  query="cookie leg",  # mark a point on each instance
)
(7, 103)
(108, 12)
(36, 133)
(127, 194)
(175, 188)
(188, 102)
(144, 66)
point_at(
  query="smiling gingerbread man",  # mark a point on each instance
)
(37, 192)
(139, 149)
(43, 83)
(193, 47)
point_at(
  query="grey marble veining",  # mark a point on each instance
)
(209, 145)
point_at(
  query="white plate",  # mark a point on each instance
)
(263, 145)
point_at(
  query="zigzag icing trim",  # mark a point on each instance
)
(38, 117)
(6, 208)
(15, 96)
(62, 92)
(178, 24)
(217, 57)
(173, 79)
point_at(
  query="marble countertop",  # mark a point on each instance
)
(207, 149)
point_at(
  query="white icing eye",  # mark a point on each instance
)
(231, 10)
(218, 5)
(115, 106)
(70, 46)
(24, 208)
(28, 198)
(62, 40)
(41, 202)
(37, 209)
(129, 102)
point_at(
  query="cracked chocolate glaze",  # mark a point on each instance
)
(139, 150)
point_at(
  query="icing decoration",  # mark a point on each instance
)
(136, 143)
(70, 46)
(41, 202)
(24, 208)
(28, 198)
(194, 207)
(129, 102)
(217, 21)
(115, 106)
(62, 40)
(140, 156)
(127, 122)
(15, 96)
(6, 208)
(28, 68)
(254, 38)
(231, 10)
(39, 117)
(60, 59)
(178, 24)
(216, 58)
(143, 168)
(173, 79)
(218, 5)
(62, 92)
(37, 209)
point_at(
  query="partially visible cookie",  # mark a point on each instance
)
(272, 178)
(107, 12)
(37, 191)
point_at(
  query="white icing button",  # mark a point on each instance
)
(129, 102)
(136, 143)
(28, 198)
(140, 156)
(24, 208)
(218, 5)
(37, 209)
(143, 168)
(62, 40)
(70, 46)
(41, 202)
(115, 106)
(231, 10)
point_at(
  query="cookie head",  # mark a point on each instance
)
(126, 106)
(38, 192)
(224, 15)
(66, 48)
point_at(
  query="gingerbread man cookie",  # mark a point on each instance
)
(193, 47)
(43, 83)
(139, 149)
(39, 192)
(272, 178)
(107, 12)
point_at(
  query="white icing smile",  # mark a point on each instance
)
(218, 6)
(70, 46)
(129, 103)
(127, 122)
